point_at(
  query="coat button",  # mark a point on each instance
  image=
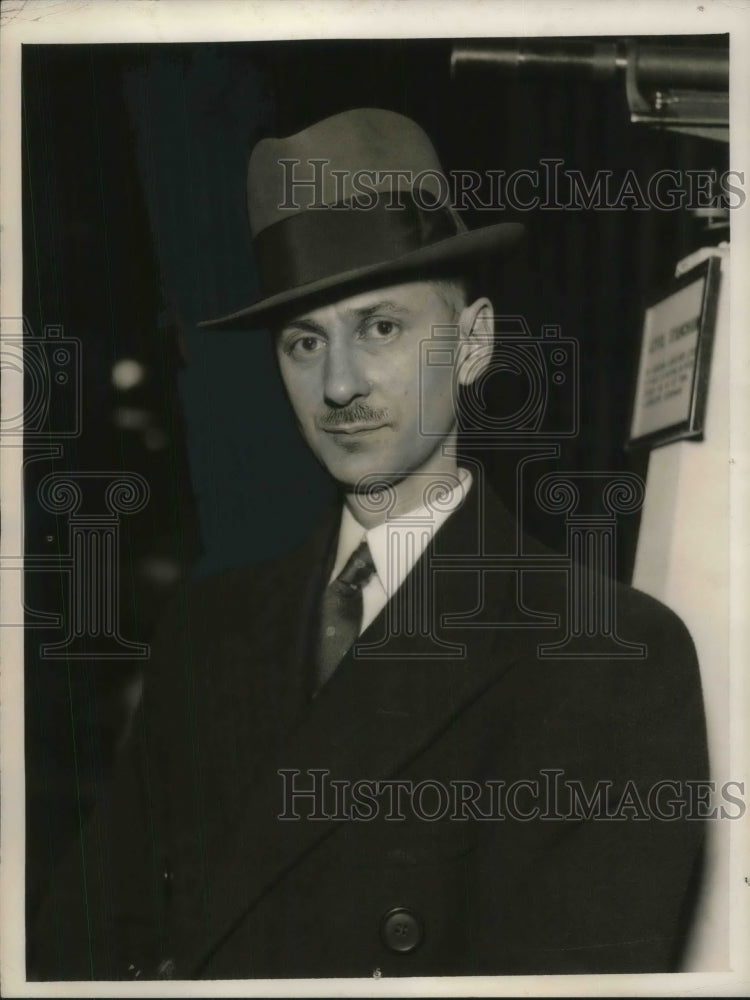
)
(401, 930)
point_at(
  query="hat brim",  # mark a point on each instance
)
(490, 242)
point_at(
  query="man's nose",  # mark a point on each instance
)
(344, 379)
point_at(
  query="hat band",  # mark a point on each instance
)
(319, 243)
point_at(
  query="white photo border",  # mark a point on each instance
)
(97, 21)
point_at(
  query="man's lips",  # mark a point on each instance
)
(353, 428)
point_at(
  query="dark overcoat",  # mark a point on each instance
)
(186, 869)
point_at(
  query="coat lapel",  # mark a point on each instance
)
(389, 699)
(295, 611)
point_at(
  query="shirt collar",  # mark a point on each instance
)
(407, 536)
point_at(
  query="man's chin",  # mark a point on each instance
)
(361, 475)
(365, 481)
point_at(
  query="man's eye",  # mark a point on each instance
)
(304, 347)
(381, 329)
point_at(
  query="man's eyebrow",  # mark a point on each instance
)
(308, 325)
(364, 312)
(385, 306)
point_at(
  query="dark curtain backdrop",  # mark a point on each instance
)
(135, 229)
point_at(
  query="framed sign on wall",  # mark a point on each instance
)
(675, 359)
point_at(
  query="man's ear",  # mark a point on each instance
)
(477, 333)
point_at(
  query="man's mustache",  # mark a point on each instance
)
(360, 413)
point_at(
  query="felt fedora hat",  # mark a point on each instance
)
(353, 199)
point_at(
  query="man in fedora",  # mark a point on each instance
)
(375, 756)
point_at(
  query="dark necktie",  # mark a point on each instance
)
(341, 611)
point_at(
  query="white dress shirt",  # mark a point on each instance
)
(405, 537)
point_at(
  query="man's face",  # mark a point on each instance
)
(352, 370)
